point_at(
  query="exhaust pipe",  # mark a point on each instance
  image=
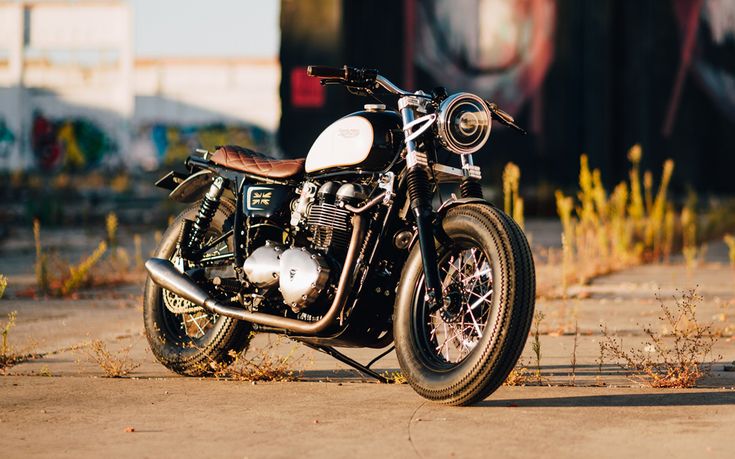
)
(164, 274)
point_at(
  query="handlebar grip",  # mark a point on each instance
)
(323, 71)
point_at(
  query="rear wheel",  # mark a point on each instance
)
(184, 337)
(462, 351)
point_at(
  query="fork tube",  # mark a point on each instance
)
(420, 195)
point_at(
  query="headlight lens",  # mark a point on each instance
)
(463, 123)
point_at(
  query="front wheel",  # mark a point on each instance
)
(461, 352)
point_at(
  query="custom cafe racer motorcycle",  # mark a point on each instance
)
(351, 246)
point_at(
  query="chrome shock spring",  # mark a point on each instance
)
(204, 217)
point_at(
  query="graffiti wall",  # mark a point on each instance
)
(162, 144)
(7, 140)
(498, 48)
(69, 144)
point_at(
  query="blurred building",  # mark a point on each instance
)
(72, 95)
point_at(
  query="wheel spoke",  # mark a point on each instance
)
(454, 333)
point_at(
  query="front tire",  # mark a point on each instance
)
(462, 352)
(192, 343)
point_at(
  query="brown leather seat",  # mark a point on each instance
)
(246, 160)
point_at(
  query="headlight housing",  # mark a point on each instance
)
(463, 123)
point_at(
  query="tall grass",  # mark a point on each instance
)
(603, 232)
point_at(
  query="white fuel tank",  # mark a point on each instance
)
(346, 142)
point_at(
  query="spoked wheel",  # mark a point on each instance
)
(464, 349)
(455, 329)
(184, 337)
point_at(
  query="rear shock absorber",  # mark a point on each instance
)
(204, 217)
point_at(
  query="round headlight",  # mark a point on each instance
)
(463, 123)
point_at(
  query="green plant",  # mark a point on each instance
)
(114, 364)
(679, 364)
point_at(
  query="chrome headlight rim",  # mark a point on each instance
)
(447, 110)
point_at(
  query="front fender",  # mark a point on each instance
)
(442, 211)
(458, 202)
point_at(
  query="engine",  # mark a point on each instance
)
(303, 273)
(328, 221)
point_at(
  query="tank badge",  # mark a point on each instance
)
(348, 133)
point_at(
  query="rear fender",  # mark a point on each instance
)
(186, 189)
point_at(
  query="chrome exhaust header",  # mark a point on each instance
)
(164, 274)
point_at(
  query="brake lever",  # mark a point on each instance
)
(503, 117)
(326, 81)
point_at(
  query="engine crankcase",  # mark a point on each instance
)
(303, 277)
(263, 266)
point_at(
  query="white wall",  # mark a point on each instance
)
(78, 63)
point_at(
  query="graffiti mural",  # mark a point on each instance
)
(171, 144)
(7, 139)
(495, 48)
(707, 29)
(70, 144)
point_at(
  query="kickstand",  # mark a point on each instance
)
(348, 361)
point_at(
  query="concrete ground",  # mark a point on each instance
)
(60, 405)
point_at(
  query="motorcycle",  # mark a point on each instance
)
(351, 246)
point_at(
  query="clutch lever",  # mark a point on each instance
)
(503, 117)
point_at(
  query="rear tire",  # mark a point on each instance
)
(167, 333)
(487, 272)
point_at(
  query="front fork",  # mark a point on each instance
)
(420, 195)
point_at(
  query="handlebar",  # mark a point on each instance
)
(369, 79)
(354, 77)
(323, 71)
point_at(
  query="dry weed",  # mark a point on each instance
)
(395, 377)
(111, 225)
(8, 355)
(730, 242)
(538, 317)
(265, 365)
(114, 364)
(605, 232)
(3, 285)
(573, 363)
(519, 376)
(677, 365)
(513, 204)
(79, 274)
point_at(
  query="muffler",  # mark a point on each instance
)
(164, 274)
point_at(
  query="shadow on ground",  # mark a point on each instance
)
(704, 398)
